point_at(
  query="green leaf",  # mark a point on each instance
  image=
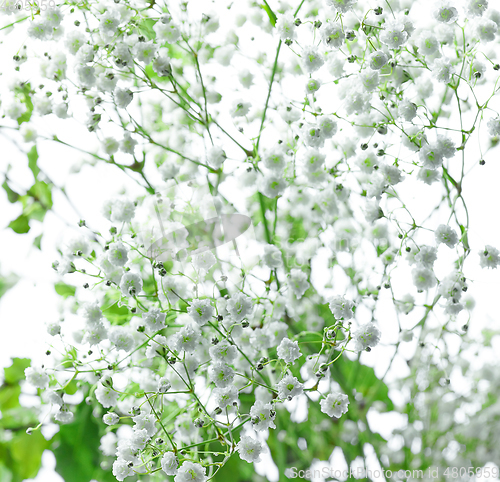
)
(270, 13)
(18, 418)
(146, 28)
(15, 373)
(20, 225)
(24, 95)
(7, 282)
(116, 315)
(26, 451)
(38, 241)
(77, 455)
(65, 290)
(41, 192)
(12, 196)
(9, 398)
(32, 162)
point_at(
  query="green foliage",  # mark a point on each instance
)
(23, 93)
(12, 196)
(111, 309)
(7, 282)
(65, 290)
(20, 453)
(77, 448)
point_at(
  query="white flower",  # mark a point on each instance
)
(240, 108)
(332, 34)
(106, 396)
(191, 472)
(121, 469)
(63, 416)
(122, 211)
(446, 235)
(216, 157)
(272, 256)
(223, 352)
(139, 439)
(225, 397)
(423, 278)
(166, 30)
(121, 337)
(289, 387)
(273, 185)
(145, 51)
(476, 8)
(118, 254)
(201, 311)
(108, 444)
(239, 306)
(341, 308)
(221, 374)
(406, 335)
(37, 377)
(54, 328)
(489, 257)
(394, 35)
(486, 29)
(494, 126)
(123, 97)
(335, 404)
(110, 418)
(428, 176)
(312, 60)
(298, 282)
(131, 284)
(169, 463)
(426, 256)
(249, 449)
(342, 6)
(274, 159)
(262, 416)
(288, 350)
(406, 303)
(431, 156)
(285, 25)
(154, 319)
(164, 385)
(204, 261)
(407, 110)
(128, 144)
(442, 69)
(145, 421)
(445, 13)
(186, 339)
(162, 67)
(95, 333)
(367, 336)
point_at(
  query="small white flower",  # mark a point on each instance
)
(118, 254)
(37, 377)
(262, 416)
(169, 463)
(298, 282)
(154, 319)
(221, 374)
(446, 235)
(289, 387)
(121, 469)
(341, 308)
(106, 396)
(216, 157)
(201, 311)
(394, 35)
(288, 350)
(423, 278)
(272, 256)
(335, 404)
(332, 34)
(239, 306)
(110, 418)
(489, 257)
(225, 397)
(476, 8)
(378, 60)
(367, 336)
(285, 25)
(312, 60)
(164, 385)
(204, 261)
(191, 472)
(240, 108)
(223, 352)
(249, 449)
(131, 284)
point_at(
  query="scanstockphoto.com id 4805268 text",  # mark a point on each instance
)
(485, 472)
